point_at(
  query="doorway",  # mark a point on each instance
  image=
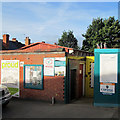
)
(73, 84)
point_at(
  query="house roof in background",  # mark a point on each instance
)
(18, 47)
(12, 45)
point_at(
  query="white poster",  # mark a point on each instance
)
(10, 74)
(27, 74)
(60, 71)
(10, 71)
(60, 59)
(107, 87)
(21, 63)
(60, 66)
(33, 75)
(49, 66)
(108, 68)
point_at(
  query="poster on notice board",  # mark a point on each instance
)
(49, 66)
(107, 88)
(108, 68)
(10, 75)
(60, 66)
(33, 77)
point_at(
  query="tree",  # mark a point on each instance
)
(102, 31)
(68, 40)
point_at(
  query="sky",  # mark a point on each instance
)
(46, 21)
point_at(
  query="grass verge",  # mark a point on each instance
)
(13, 90)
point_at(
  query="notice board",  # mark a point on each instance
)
(33, 76)
(108, 68)
(49, 67)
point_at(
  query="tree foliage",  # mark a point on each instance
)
(102, 31)
(68, 40)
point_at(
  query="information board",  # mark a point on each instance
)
(107, 87)
(49, 66)
(33, 76)
(60, 66)
(108, 68)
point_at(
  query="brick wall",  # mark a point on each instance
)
(53, 86)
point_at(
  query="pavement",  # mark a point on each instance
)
(82, 108)
(16, 94)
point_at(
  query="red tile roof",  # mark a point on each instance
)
(40, 46)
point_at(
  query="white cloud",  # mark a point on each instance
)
(47, 22)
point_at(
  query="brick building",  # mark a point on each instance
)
(42, 71)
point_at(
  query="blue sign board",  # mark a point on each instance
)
(60, 63)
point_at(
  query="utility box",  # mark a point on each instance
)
(107, 77)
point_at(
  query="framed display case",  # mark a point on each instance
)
(33, 76)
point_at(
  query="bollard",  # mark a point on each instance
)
(53, 100)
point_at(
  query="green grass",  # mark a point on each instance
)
(13, 90)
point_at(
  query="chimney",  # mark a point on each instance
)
(14, 40)
(101, 46)
(6, 41)
(27, 41)
(98, 47)
(105, 46)
(43, 41)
